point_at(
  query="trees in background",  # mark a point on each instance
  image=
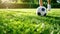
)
(0, 1)
(15, 1)
(34, 3)
(53, 2)
(29, 1)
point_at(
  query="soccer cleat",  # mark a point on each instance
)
(49, 7)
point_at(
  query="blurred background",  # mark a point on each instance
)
(27, 3)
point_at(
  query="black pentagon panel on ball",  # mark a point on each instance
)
(45, 14)
(39, 13)
(43, 9)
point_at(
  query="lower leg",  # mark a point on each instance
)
(49, 6)
(49, 1)
(40, 2)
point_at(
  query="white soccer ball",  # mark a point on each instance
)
(41, 11)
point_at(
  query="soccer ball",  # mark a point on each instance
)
(41, 11)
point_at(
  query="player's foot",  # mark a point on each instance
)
(49, 7)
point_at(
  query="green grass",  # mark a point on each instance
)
(25, 21)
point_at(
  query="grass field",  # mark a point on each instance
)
(25, 21)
